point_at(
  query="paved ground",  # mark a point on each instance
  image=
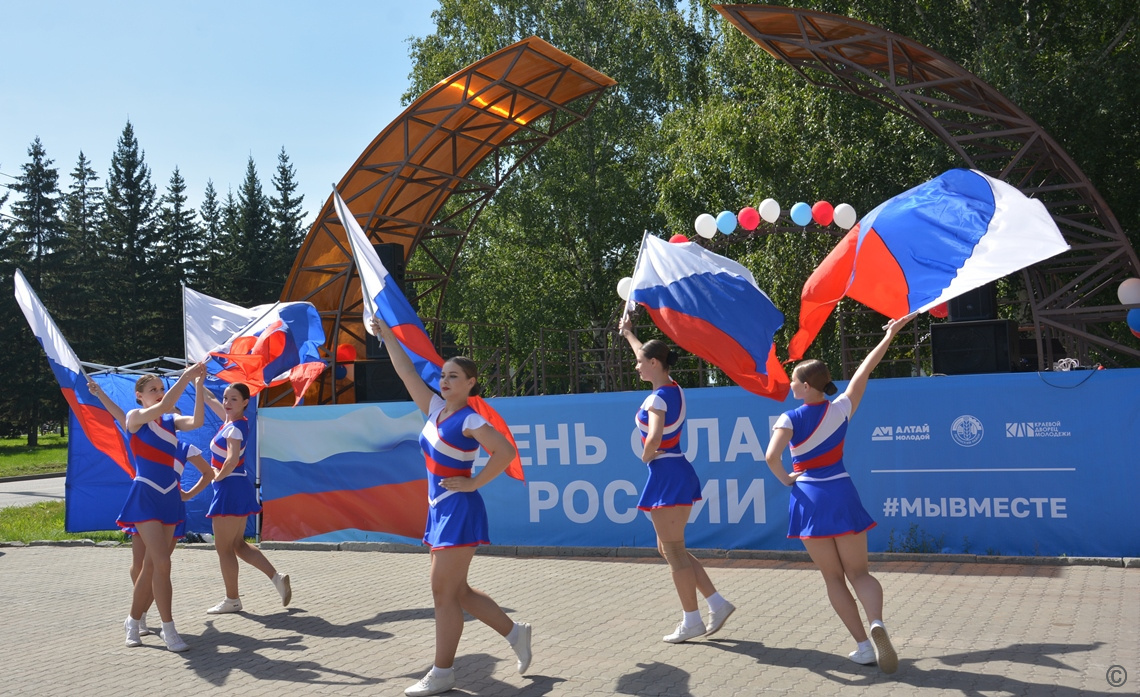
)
(25, 492)
(361, 624)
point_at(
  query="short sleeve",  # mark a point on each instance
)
(783, 421)
(231, 432)
(654, 401)
(192, 451)
(437, 403)
(473, 421)
(843, 404)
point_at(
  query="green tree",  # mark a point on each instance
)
(251, 243)
(288, 221)
(85, 263)
(211, 214)
(178, 258)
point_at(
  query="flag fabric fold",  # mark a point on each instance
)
(97, 423)
(711, 306)
(384, 299)
(209, 322)
(927, 245)
(283, 344)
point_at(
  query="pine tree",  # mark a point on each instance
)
(83, 300)
(254, 237)
(211, 214)
(129, 231)
(227, 260)
(177, 256)
(288, 219)
(31, 394)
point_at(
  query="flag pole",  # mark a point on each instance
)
(636, 264)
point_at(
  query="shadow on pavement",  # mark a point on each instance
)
(655, 678)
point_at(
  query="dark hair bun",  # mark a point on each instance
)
(830, 389)
(476, 390)
(671, 359)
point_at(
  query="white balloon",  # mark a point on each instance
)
(1129, 292)
(769, 210)
(623, 287)
(845, 216)
(705, 225)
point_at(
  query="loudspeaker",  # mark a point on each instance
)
(977, 304)
(963, 348)
(392, 256)
(377, 381)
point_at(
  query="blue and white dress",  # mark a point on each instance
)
(154, 493)
(824, 502)
(672, 479)
(234, 495)
(455, 518)
(185, 452)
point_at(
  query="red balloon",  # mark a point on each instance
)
(679, 239)
(1136, 334)
(748, 218)
(345, 353)
(823, 212)
(940, 310)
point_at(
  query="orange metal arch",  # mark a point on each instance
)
(424, 180)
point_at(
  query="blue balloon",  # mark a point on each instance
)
(726, 222)
(801, 214)
(1134, 320)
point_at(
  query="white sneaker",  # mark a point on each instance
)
(143, 629)
(281, 583)
(717, 619)
(863, 657)
(132, 628)
(884, 652)
(522, 647)
(431, 685)
(172, 639)
(227, 605)
(683, 633)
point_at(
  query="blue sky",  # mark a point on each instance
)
(206, 85)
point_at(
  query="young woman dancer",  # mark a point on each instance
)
(824, 510)
(235, 499)
(154, 504)
(672, 487)
(457, 517)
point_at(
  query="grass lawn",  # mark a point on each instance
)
(44, 521)
(17, 459)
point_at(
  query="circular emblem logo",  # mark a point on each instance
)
(967, 431)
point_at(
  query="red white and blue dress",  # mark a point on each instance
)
(154, 493)
(185, 452)
(234, 495)
(455, 518)
(672, 479)
(824, 502)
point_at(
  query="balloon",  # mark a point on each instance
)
(1134, 321)
(623, 287)
(844, 216)
(345, 353)
(678, 239)
(726, 222)
(801, 214)
(769, 210)
(748, 218)
(705, 225)
(1129, 292)
(341, 372)
(940, 310)
(822, 212)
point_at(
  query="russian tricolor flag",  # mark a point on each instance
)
(97, 423)
(711, 306)
(385, 300)
(928, 245)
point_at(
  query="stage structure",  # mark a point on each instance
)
(423, 182)
(1072, 297)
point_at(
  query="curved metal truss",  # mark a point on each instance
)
(425, 179)
(1071, 296)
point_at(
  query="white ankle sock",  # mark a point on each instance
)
(513, 635)
(692, 619)
(168, 627)
(441, 672)
(716, 602)
(863, 645)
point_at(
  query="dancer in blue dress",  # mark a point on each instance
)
(457, 518)
(235, 499)
(154, 505)
(824, 510)
(672, 487)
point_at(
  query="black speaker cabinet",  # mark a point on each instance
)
(964, 348)
(977, 304)
(392, 257)
(377, 381)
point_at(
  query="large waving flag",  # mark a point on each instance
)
(711, 306)
(283, 344)
(928, 245)
(97, 423)
(384, 299)
(209, 322)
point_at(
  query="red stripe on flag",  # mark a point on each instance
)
(416, 340)
(99, 427)
(482, 408)
(398, 509)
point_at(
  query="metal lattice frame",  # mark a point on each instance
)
(989, 133)
(425, 179)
